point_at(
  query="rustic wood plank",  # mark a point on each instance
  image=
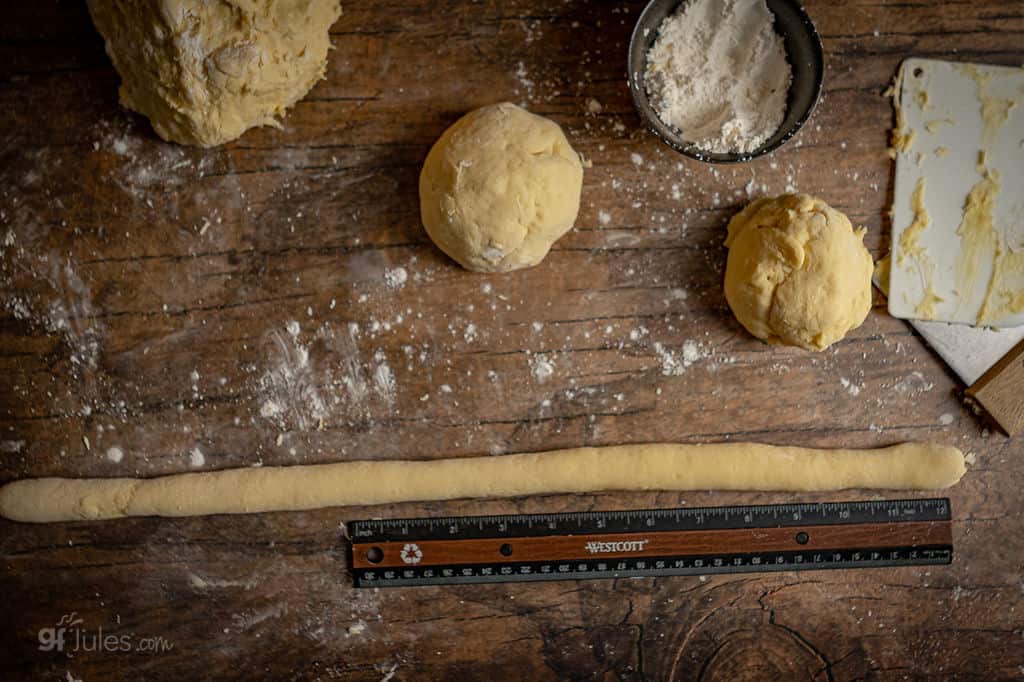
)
(148, 290)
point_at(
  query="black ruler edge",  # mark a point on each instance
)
(680, 518)
(708, 564)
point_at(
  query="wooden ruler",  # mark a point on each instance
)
(697, 541)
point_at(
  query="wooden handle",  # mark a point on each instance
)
(1000, 391)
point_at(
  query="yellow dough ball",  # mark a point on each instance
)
(205, 72)
(797, 273)
(499, 187)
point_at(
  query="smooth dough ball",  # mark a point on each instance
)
(205, 71)
(798, 273)
(499, 187)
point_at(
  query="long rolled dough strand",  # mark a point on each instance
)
(725, 466)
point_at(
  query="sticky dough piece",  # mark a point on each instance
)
(725, 466)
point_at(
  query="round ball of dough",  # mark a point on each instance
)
(499, 187)
(798, 273)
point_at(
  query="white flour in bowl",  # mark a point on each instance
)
(718, 74)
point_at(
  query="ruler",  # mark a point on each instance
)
(650, 542)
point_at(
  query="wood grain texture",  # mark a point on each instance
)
(146, 296)
(998, 392)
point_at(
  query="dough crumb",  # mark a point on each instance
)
(196, 458)
(946, 419)
(115, 454)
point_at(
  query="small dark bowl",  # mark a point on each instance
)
(803, 51)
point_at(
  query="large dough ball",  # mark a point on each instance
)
(499, 187)
(205, 71)
(798, 273)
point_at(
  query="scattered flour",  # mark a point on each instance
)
(852, 388)
(946, 419)
(203, 583)
(389, 672)
(675, 363)
(693, 351)
(72, 316)
(525, 81)
(542, 367)
(290, 390)
(395, 278)
(913, 383)
(383, 377)
(120, 146)
(245, 621)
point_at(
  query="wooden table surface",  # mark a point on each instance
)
(276, 301)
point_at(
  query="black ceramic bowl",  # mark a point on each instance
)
(803, 50)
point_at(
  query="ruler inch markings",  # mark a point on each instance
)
(856, 512)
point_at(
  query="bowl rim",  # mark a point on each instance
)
(638, 92)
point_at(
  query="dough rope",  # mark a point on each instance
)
(659, 466)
